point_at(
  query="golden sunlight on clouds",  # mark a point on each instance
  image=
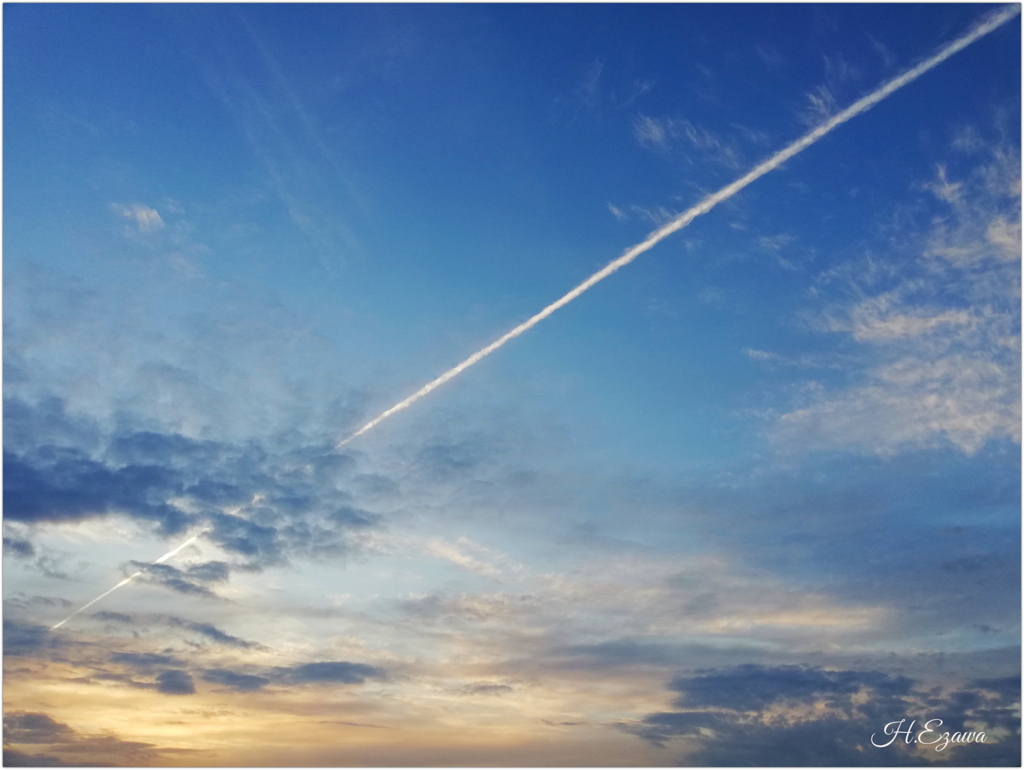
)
(401, 724)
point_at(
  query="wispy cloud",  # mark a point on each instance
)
(451, 552)
(145, 219)
(284, 136)
(820, 105)
(944, 339)
(699, 144)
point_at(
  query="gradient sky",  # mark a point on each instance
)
(747, 501)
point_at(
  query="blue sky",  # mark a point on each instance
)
(747, 501)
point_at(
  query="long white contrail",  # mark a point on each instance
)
(130, 578)
(982, 28)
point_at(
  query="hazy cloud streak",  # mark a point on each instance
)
(861, 105)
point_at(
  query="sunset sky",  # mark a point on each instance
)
(745, 502)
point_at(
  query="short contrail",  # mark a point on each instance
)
(130, 578)
(982, 28)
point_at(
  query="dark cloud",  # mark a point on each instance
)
(14, 758)
(31, 727)
(118, 617)
(18, 547)
(23, 602)
(209, 572)
(46, 422)
(211, 632)
(484, 688)
(175, 682)
(342, 672)
(167, 576)
(329, 671)
(207, 630)
(27, 639)
(236, 681)
(50, 566)
(803, 716)
(59, 484)
(286, 502)
(753, 688)
(72, 747)
(239, 535)
(1007, 687)
(144, 659)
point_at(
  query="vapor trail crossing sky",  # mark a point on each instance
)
(657, 236)
(861, 105)
(129, 579)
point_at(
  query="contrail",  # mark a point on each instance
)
(861, 105)
(130, 578)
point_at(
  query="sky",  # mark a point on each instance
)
(752, 500)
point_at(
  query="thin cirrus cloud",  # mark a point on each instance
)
(937, 376)
(146, 220)
(700, 145)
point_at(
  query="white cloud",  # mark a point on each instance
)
(442, 550)
(617, 212)
(660, 134)
(147, 220)
(914, 403)
(658, 215)
(944, 342)
(650, 133)
(774, 242)
(821, 105)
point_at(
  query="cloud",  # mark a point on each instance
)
(651, 133)
(145, 660)
(324, 672)
(702, 145)
(18, 547)
(449, 552)
(211, 632)
(298, 168)
(329, 671)
(25, 639)
(257, 505)
(234, 680)
(484, 688)
(28, 727)
(13, 758)
(146, 220)
(191, 580)
(941, 333)
(800, 715)
(118, 617)
(207, 630)
(753, 688)
(73, 748)
(821, 106)
(473, 608)
(65, 485)
(175, 682)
